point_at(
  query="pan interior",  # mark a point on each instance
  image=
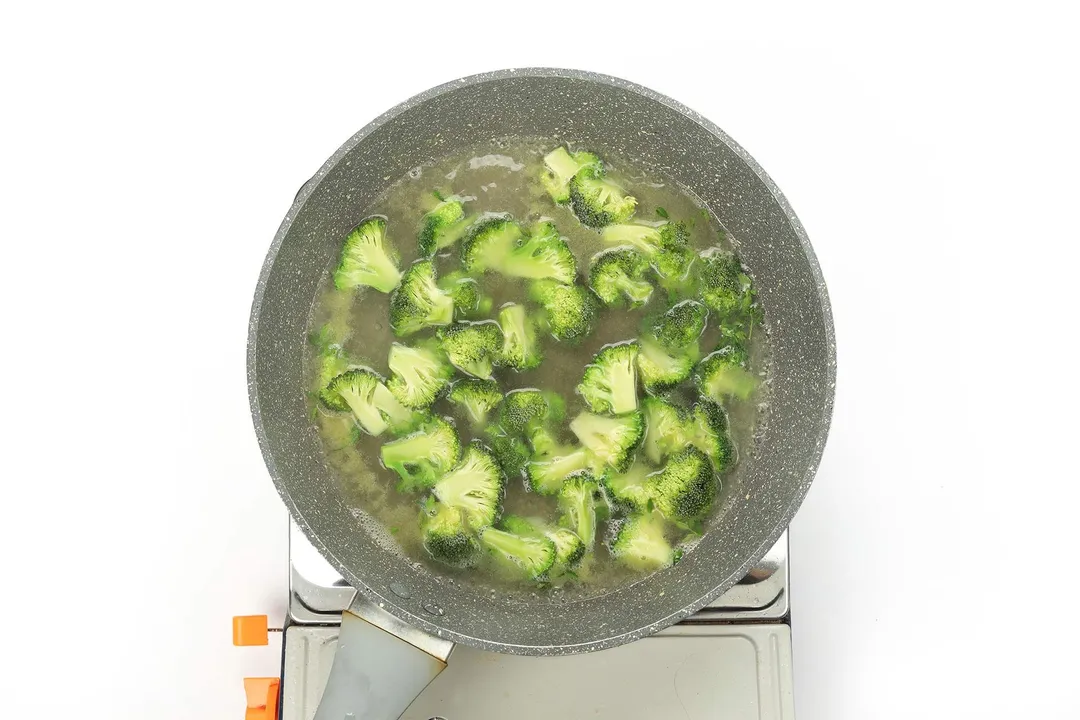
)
(656, 135)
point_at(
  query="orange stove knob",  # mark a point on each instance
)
(262, 698)
(250, 630)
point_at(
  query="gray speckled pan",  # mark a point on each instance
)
(607, 115)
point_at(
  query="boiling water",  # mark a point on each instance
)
(500, 177)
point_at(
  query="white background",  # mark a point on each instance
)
(149, 151)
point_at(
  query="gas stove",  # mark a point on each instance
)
(730, 661)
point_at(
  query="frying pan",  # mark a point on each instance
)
(606, 115)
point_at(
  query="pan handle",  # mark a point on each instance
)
(382, 664)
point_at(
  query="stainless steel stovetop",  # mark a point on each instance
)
(730, 661)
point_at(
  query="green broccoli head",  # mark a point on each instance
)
(707, 430)
(533, 555)
(543, 254)
(520, 525)
(418, 302)
(469, 300)
(545, 442)
(423, 457)
(368, 258)
(472, 346)
(721, 287)
(499, 244)
(446, 537)
(374, 406)
(645, 239)
(618, 273)
(665, 247)
(523, 411)
(649, 240)
(610, 381)
(641, 545)
(569, 310)
(676, 272)
(475, 486)
(681, 326)
(577, 499)
(442, 227)
(660, 369)
(560, 167)
(546, 474)
(476, 398)
(684, 490)
(612, 440)
(630, 489)
(419, 373)
(665, 429)
(490, 242)
(511, 451)
(569, 549)
(331, 363)
(520, 346)
(597, 201)
(723, 374)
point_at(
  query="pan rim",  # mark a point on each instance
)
(802, 486)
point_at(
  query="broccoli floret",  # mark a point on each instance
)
(577, 500)
(498, 244)
(442, 227)
(630, 489)
(469, 300)
(418, 302)
(534, 555)
(545, 443)
(423, 457)
(707, 431)
(597, 201)
(618, 273)
(727, 289)
(640, 544)
(723, 374)
(490, 242)
(569, 549)
(547, 474)
(375, 407)
(523, 411)
(646, 239)
(721, 282)
(610, 381)
(665, 247)
(665, 429)
(681, 326)
(520, 347)
(612, 440)
(544, 254)
(332, 362)
(471, 346)
(446, 537)
(368, 258)
(419, 373)
(477, 398)
(668, 430)
(475, 486)
(569, 310)
(511, 452)
(684, 490)
(660, 370)
(560, 167)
